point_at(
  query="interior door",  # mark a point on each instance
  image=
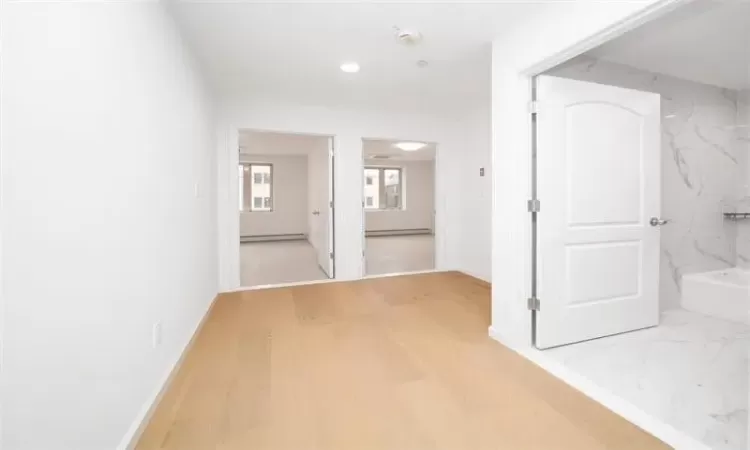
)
(325, 258)
(598, 183)
(320, 205)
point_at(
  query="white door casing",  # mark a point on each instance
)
(598, 181)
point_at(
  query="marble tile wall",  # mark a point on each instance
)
(704, 168)
(743, 203)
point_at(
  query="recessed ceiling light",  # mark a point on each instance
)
(410, 146)
(350, 67)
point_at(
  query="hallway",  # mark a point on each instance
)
(390, 363)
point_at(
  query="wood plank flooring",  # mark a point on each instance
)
(401, 363)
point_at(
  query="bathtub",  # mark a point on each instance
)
(722, 293)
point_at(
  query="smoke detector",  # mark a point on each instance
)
(408, 37)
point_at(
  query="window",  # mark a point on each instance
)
(256, 187)
(261, 177)
(383, 188)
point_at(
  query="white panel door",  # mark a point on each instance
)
(320, 196)
(325, 258)
(598, 180)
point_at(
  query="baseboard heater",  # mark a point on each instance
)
(376, 233)
(273, 238)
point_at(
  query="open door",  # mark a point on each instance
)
(598, 183)
(325, 259)
(320, 204)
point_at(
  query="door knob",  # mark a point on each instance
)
(316, 213)
(657, 222)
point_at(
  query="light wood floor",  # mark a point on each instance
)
(399, 363)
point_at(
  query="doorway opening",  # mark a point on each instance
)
(398, 206)
(642, 176)
(286, 208)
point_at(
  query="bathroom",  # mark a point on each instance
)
(689, 374)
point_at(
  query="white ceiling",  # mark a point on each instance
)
(706, 41)
(386, 151)
(287, 144)
(292, 51)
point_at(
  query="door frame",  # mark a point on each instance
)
(229, 264)
(437, 231)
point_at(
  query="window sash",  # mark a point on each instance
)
(389, 182)
(255, 185)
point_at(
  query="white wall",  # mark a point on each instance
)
(419, 198)
(289, 192)
(106, 132)
(564, 31)
(349, 128)
(476, 211)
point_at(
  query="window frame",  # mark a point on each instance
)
(382, 196)
(247, 188)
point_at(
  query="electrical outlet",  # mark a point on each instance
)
(156, 335)
(481, 171)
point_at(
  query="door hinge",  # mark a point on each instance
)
(331, 255)
(534, 205)
(533, 304)
(533, 107)
(330, 204)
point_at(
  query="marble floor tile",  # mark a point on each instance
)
(691, 372)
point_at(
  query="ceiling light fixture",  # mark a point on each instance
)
(407, 37)
(410, 146)
(350, 67)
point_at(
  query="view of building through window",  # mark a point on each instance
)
(383, 188)
(256, 187)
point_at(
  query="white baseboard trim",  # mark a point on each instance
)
(404, 232)
(667, 433)
(130, 440)
(401, 274)
(272, 238)
(477, 276)
(332, 280)
(281, 285)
